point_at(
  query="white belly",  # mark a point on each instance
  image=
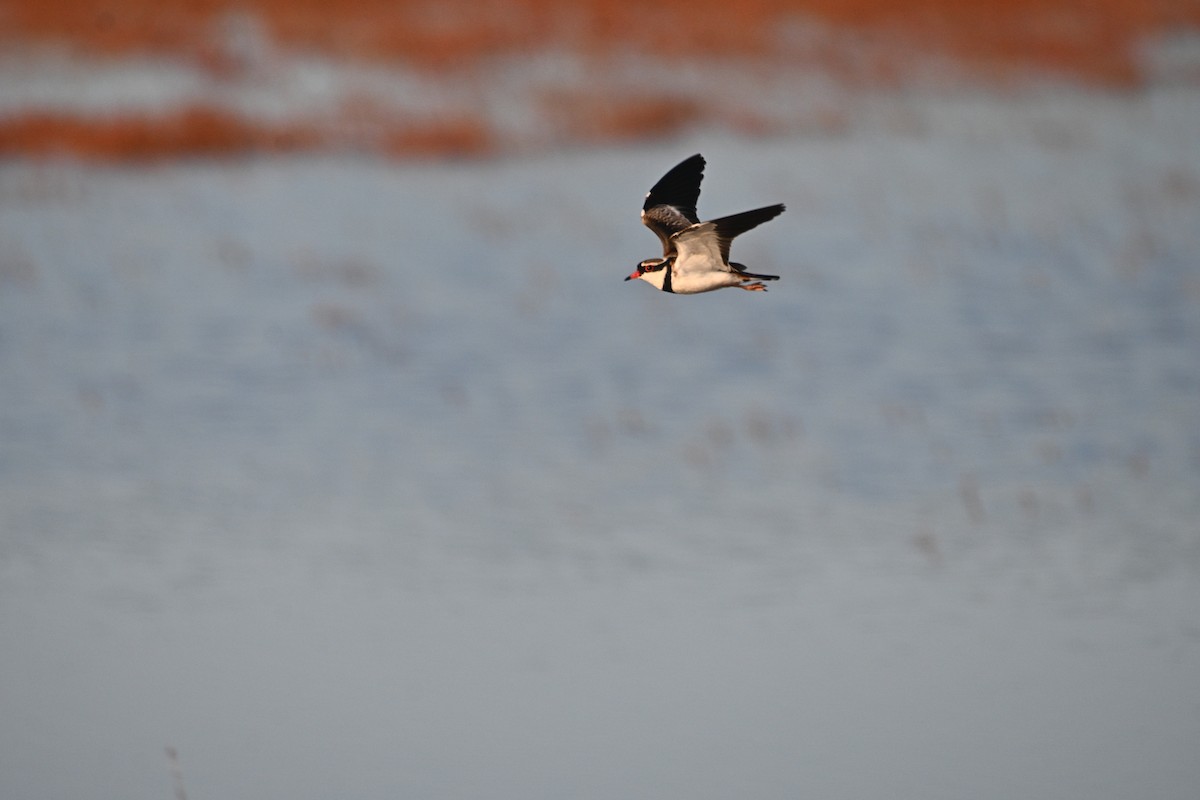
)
(694, 283)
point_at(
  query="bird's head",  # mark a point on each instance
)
(652, 271)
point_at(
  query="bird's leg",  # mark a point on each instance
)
(752, 287)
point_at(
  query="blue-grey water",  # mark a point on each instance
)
(355, 479)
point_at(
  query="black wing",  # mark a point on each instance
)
(671, 204)
(737, 224)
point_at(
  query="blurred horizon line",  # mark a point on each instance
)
(126, 80)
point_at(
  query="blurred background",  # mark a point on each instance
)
(337, 460)
(127, 80)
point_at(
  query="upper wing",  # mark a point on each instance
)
(670, 205)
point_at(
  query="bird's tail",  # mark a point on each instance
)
(741, 270)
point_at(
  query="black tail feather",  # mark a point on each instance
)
(741, 270)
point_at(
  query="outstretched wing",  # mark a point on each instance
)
(726, 228)
(705, 246)
(670, 205)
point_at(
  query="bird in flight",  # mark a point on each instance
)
(695, 254)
